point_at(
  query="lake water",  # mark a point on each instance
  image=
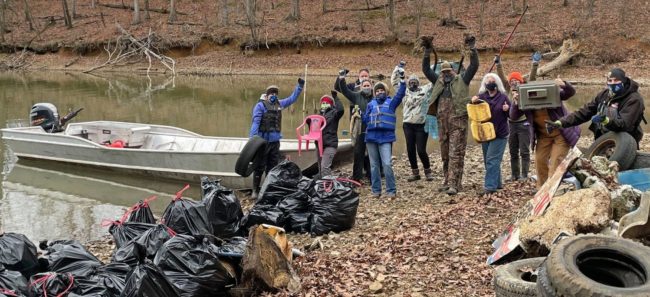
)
(54, 201)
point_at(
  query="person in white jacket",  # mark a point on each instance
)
(416, 104)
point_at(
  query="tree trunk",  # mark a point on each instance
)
(66, 15)
(92, 3)
(146, 10)
(74, 9)
(28, 16)
(391, 17)
(172, 11)
(136, 12)
(3, 27)
(295, 10)
(223, 13)
(590, 6)
(250, 16)
(565, 3)
(512, 6)
(524, 4)
(480, 20)
(418, 17)
(567, 52)
(324, 6)
(451, 15)
(368, 4)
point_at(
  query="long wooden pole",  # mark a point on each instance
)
(304, 95)
(509, 36)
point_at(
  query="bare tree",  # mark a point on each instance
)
(3, 24)
(28, 16)
(136, 12)
(66, 15)
(295, 10)
(451, 14)
(590, 7)
(146, 10)
(250, 16)
(565, 3)
(419, 6)
(391, 18)
(172, 11)
(92, 3)
(513, 6)
(324, 6)
(74, 9)
(481, 16)
(223, 13)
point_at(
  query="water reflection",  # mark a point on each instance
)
(61, 201)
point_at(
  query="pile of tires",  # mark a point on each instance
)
(586, 265)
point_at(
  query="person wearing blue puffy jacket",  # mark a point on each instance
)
(267, 123)
(380, 120)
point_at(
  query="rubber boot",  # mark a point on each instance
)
(256, 186)
(524, 170)
(415, 176)
(514, 165)
(428, 173)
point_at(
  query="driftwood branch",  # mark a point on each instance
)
(568, 51)
(129, 7)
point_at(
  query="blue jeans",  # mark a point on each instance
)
(492, 155)
(381, 153)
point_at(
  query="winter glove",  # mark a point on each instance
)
(401, 64)
(550, 125)
(343, 72)
(497, 59)
(600, 119)
(427, 42)
(400, 71)
(536, 57)
(301, 81)
(334, 94)
(470, 41)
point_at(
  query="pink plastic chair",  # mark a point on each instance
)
(316, 125)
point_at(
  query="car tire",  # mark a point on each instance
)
(617, 146)
(516, 279)
(252, 153)
(597, 265)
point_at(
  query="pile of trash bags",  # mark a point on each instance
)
(301, 205)
(195, 250)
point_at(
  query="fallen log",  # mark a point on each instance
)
(568, 50)
(129, 7)
(267, 261)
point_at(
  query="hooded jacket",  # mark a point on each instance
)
(416, 103)
(355, 97)
(383, 135)
(258, 114)
(625, 112)
(332, 116)
(571, 135)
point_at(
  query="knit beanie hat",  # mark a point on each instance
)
(516, 76)
(617, 73)
(380, 85)
(327, 99)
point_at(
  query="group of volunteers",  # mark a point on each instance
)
(549, 132)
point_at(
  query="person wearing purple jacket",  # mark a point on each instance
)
(550, 145)
(493, 92)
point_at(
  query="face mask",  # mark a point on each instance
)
(491, 86)
(381, 96)
(448, 77)
(514, 85)
(325, 106)
(616, 88)
(413, 86)
(366, 92)
(273, 98)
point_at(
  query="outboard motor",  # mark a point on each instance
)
(46, 116)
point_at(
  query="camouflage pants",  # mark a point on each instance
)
(453, 142)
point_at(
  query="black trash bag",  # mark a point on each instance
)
(150, 241)
(186, 216)
(71, 256)
(233, 247)
(141, 212)
(296, 210)
(12, 280)
(10, 293)
(224, 209)
(281, 180)
(105, 281)
(18, 253)
(123, 232)
(51, 284)
(334, 206)
(262, 214)
(146, 280)
(191, 264)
